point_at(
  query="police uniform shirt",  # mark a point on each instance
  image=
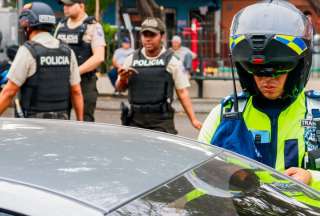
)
(93, 35)
(174, 67)
(24, 65)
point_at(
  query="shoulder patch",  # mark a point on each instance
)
(230, 99)
(313, 94)
(227, 102)
(100, 31)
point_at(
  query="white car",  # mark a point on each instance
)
(65, 168)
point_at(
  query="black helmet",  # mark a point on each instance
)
(271, 38)
(37, 15)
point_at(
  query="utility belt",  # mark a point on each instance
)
(127, 111)
(151, 108)
(47, 115)
(88, 75)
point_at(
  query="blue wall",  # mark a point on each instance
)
(109, 16)
(53, 3)
(182, 7)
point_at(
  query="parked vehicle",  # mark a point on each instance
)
(66, 168)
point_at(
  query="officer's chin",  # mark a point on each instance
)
(151, 49)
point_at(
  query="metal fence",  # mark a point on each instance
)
(213, 66)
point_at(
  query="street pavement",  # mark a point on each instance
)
(108, 111)
(108, 102)
(110, 116)
(108, 106)
(212, 89)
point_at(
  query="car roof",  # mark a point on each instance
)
(100, 164)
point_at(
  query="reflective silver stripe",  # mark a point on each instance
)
(241, 105)
(311, 104)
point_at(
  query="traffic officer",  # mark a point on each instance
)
(150, 74)
(44, 69)
(86, 37)
(275, 121)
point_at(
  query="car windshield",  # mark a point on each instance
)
(227, 185)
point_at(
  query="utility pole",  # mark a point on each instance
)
(97, 14)
(20, 4)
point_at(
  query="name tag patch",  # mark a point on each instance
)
(69, 38)
(54, 60)
(147, 63)
(261, 136)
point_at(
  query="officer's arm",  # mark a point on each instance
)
(7, 94)
(94, 61)
(183, 95)
(210, 125)
(77, 101)
(122, 81)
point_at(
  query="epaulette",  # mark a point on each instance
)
(242, 96)
(227, 103)
(313, 94)
(90, 20)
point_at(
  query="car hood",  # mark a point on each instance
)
(104, 165)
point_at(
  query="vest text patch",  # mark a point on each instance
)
(307, 123)
(54, 60)
(147, 63)
(69, 38)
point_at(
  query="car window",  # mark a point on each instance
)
(4, 212)
(227, 185)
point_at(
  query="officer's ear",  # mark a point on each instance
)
(163, 36)
(82, 6)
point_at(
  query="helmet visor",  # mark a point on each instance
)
(270, 69)
(278, 17)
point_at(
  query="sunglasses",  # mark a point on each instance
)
(269, 70)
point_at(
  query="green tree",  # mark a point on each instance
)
(91, 6)
(109, 33)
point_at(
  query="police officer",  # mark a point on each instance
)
(278, 123)
(151, 74)
(44, 69)
(86, 37)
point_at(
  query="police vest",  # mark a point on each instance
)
(74, 38)
(151, 90)
(287, 138)
(48, 89)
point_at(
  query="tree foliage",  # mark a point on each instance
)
(91, 6)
